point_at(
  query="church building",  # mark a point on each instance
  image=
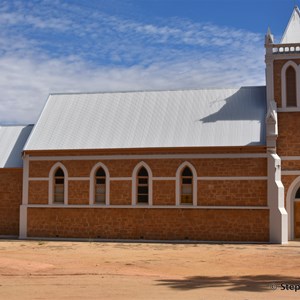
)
(200, 165)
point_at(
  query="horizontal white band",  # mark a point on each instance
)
(161, 178)
(144, 206)
(148, 156)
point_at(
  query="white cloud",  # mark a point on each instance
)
(75, 50)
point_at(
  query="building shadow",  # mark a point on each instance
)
(253, 283)
(246, 104)
(15, 156)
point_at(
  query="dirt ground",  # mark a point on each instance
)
(101, 270)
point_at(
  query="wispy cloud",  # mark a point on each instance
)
(79, 48)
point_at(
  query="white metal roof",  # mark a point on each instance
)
(292, 32)
(185, 118)
(12, 141)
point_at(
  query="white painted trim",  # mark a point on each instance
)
(79, 178)
(269, 77)
(23, 221)
(23, 208)
(235, 178)
(134, 183)
(280, 56)
(38, 178)
(149, 156)
(25, 180)
(289, 63)
(146, 206)
(51, 183)
(92, 183)
(290, 158)
(278, 217)
(290, 198)
(289, 109)
(120, 179)
(293, 172)
(178, 183)
(164, 178)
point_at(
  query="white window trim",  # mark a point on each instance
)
(92, 184)
(134, 184)
(290, 63)
(178, 182)
(51, 183)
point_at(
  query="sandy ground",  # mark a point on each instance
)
(100, 270)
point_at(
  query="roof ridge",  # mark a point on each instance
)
(154, 91)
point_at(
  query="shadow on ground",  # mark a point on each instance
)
(258, 283)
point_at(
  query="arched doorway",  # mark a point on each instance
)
(297, 215)
(293, 209)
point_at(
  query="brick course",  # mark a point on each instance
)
(148, 224)
(159, 167)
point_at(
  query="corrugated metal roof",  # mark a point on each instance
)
(12, 141)
(292, 32)
(185, 118)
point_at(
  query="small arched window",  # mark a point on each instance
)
(59, 186)
(291, 90)
(100, 186)
(297, 196)
(142, 186)
(186, 186)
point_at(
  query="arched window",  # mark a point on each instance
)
(142, 186)
(100, 186)
(186, 186)
(291, 94)
(59, 186)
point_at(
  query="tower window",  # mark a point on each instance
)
(291, 94)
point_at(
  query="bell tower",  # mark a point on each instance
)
(283, 126)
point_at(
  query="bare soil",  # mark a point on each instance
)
(101, 270)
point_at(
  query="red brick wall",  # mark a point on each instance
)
(38, 192)
(78, 192)
(157, 224)
(10, 200)
(120, 192)
(288, 142)
(233, 192)
(164, 192)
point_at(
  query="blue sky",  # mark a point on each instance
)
(51, 46)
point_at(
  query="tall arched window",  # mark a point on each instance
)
(59, 186)
(291, 94)
(186, 186)
(142, 186)
(100, 186)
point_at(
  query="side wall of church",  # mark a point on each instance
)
(231, 201)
